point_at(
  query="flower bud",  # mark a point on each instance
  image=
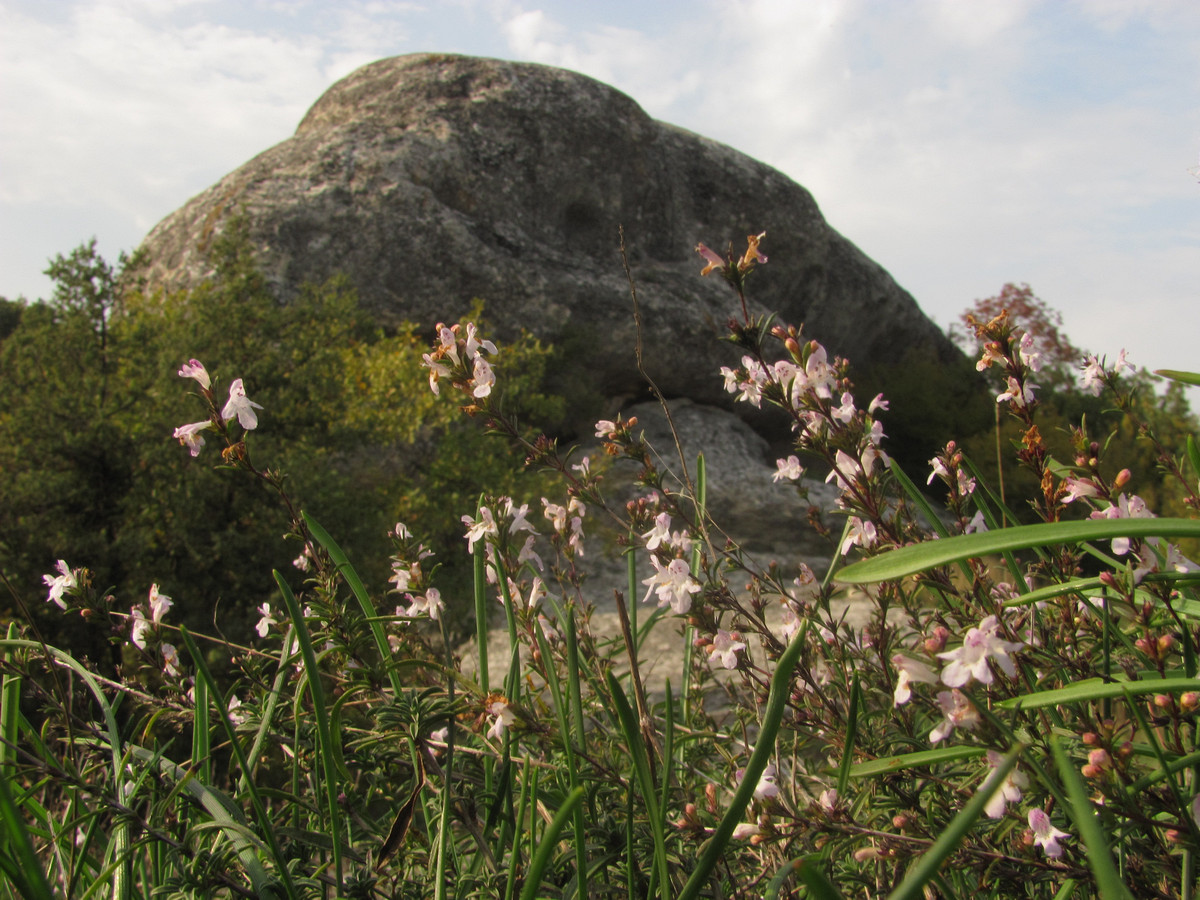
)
(1125, 750)
(1090, 771)
(1122, 478)
(900, 821)
(1165, 643)
(1100, 758)
(1090, 738)
(936, 642)
(1163, 701)
(1188, 701)
(1108, 579)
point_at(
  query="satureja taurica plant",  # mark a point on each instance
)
(1008, 712)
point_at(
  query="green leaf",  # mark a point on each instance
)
(1176, 375)
(930, 554)
(913, 760)
(1095, 689)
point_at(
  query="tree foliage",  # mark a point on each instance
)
(90, 470)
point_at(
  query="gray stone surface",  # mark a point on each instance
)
(431, 180)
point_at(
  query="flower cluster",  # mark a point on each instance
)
(238, 406)
(458, 357)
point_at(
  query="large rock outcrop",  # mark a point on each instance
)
(430, 180)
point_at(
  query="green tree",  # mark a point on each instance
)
(89, 471)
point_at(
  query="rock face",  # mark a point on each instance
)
(430, 180)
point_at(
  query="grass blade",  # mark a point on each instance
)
(926, 868)
(919, 557)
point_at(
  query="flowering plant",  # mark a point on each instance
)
(1022, 700)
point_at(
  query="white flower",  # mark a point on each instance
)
(505, 718)
(861, 533)
(159, 604)
(193, 368)
(910, 670)
(745, 830)
(1092, 379)
(789, 468)
(971, 659)
(430, 602)
(724, 648)
(673, 583)
(235, 704)
(479, 529)
(1009, 791)
(483, 377)
(171, 664)
(141, 627)
(1125, 508)
(790, 622)
(267, 620)
(474, 345)
(189, 436)
(241, 406)
(661, 532)
(957, 712)
(436, 371)
(63, 581)
(1045, 835)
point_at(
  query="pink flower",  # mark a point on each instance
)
(64, 581)
(660, 533)
(189, 436)
(1029, 356)
(861, 533)
(606, 428)
(712, 259)
(725, 647)
(767, 787)
(193, 368)
(241, 406)
(430, 602)
(957, 712)
(505, 718)
(991, 355)
(745, 830)
(1009, 791)
(171, 664)
(1092, 379)
(1133, 507)
(789, 468)
(910, 670)
(971, 659)
(877, 404)
(845, 412)
(479, 529)
(1019, 394)
(1045, 835)
(1079, 487)
(673, 583)
(789, 622)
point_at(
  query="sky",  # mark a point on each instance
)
(961, 144)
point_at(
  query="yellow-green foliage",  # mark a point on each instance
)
(88, 468)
